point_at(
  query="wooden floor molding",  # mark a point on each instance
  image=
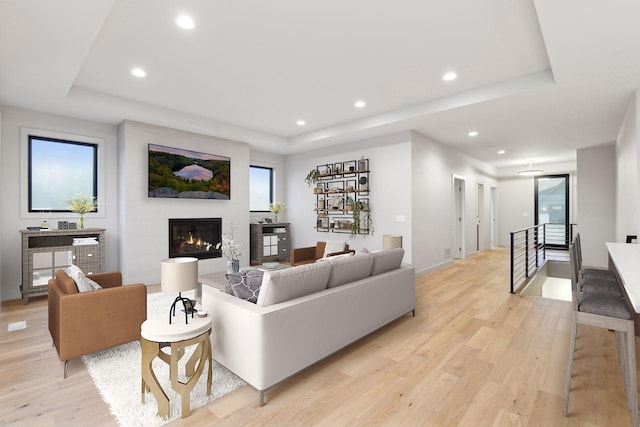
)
(474, 355)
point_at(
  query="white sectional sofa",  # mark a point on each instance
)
(306, 313)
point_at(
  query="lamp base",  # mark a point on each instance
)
(188, 308)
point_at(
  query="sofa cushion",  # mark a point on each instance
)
(246, 284)
(83, 283)
(282, 285)
(350, 269)
(333, 246)
(386, 260)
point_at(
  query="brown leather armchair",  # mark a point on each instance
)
(83, 323)
(310, 254)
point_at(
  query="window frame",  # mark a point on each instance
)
(94, 185)
(101, 200)
(271, 185)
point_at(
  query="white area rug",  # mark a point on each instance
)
(116, 372)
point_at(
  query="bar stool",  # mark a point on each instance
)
(599, 273)
(595, 280)
(608, 312)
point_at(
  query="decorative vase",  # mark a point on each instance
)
(81, 221)
(233, 266)
(276, 219)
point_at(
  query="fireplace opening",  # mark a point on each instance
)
(195, 237)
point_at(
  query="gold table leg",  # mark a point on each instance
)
(194, 368)
(150, 382)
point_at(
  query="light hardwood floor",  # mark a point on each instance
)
(474, 355)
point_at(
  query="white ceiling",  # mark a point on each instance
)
(536, 78)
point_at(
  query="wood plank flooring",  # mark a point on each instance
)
(474, 355)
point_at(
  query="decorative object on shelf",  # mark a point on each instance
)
(362, 164)
(276, 208)
(81, 204)
(361, 215)
(313, 177)
(363, 183)
(177, 275)
(231, 250)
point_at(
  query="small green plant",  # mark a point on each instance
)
(361, 216)
(313, 177)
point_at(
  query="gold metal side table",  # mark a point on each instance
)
(157, 334)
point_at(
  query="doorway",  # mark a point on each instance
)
(458, 216)
(552, 208)
(479, 217)
(494, 225)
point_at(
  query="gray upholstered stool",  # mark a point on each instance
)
(604, 311)
(592, 273)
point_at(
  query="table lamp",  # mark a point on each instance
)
(177, 275)
(391, 242)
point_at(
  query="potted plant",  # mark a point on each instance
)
(81, 204)
(276, 208)
(313, 177)
(361, 215)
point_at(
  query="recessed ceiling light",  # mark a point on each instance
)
(138, 72)
(186, 22)
(301, 123)
(473, 133)
(450, 75)
(501, 152)
(360, 104)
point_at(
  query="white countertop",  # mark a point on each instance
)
(158, 329)
(626, 259)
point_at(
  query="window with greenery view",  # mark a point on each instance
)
(58, 170)
(260, 188)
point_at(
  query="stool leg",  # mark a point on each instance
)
(632, 391)
(572, 348)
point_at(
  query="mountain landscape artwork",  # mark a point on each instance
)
(186, 174)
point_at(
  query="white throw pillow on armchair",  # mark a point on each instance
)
(333, 246)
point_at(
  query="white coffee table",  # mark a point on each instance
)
(157, 334)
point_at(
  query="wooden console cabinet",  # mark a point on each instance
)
(45, 251)
(270, 242)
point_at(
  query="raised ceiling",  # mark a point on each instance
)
(538, 79)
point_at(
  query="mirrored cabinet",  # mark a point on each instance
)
(45, 251)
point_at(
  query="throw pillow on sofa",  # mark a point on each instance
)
(246, 284)
(333, 246)
(83, 283)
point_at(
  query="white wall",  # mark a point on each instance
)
(144, 221)
(411, 177)
(627, 180)
(596, 198)
(433, 168)
(389, 183)
(10, 192)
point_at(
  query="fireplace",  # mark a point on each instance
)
(195, 237)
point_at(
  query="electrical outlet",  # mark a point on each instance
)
(447, 252)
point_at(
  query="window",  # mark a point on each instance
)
(260, 188)
(58, 170)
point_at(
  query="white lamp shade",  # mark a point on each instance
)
(391, 242)
(178, 274)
